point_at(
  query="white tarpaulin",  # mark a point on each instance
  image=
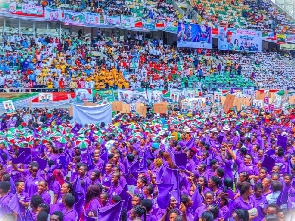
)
(92, 114)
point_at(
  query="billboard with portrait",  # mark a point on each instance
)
(9, 107)
(239, 40)
(194, 36)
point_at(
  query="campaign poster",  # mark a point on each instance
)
(74, 18)
(132, 97)
(239, 40)
(156, 96)
(175, 95)
(9, 107)
(92, 19)
(127, 21)
(194, 36)
(114, 20)
(84, 95)
(103, 96)
(51, 14)
(45, 97)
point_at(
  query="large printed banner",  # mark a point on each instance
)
(73, 18)
(239, 40)
(114, 20)
(51, 14)
(194, 36)
(100, 96)
(92, 19)
(133, 96)
(32, 9)
(287, 46)
(290, 39)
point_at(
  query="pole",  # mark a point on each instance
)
(60, 30)
(34, 29)
(4, 25)
(19, 27)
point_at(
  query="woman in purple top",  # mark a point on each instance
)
(58, 178)
(224, 210)
(92, 204)
(65, 188)
(22, 196)
(42, 191)
(140, 183)
(260, 201)
(32, 180)
(244, 201)
(209, 198)
(228, 188)
(202, 182)
(5, 197)
(214, 183)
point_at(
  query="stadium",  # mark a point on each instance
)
(141, 110)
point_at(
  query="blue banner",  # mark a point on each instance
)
(194, 36)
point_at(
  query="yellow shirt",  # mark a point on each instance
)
(50, 84)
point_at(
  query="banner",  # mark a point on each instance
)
(171, 27)
(149, 25)
(131, 97)
(51, 14)
(156, 96)
(92, 19)
(290, 39)
(84, 95)
(45, 97)
(9, 107)
(239, 40)
(287, 46)
(32, 9)
(74, 18)
(92, 114)
(103, 96)
(194, 36)
(127, 21)
(114, 20)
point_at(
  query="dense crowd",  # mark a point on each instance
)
(135, 62)
(260, 15)
(169, 167)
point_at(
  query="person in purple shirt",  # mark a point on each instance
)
(260, 201)
(5, 197)
(32, 180)
(148, 205)
(208, 200)
(115, 188)
(42, 191)
(95, 177)
(65, 188)
(58, 178)
(92, 203)
(244, 201)
(214, 183)
(140, 183)
(23, 197)
(69, 212)
(106, 177)
(31, 214)
(82, 176)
